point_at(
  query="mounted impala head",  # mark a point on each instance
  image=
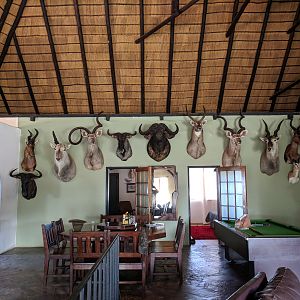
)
(29, 162)
(94, 158)
(293, 175)
(291, 152)
(269, 160)
(231, 155)
(124, 150)
(64, 165)
(196, 147)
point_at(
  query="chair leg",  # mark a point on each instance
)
(46, 270)
(152, 261)
(179, 260)
(71, 281)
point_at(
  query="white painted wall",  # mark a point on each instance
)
(9, 159)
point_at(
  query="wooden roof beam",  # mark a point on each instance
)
(236, 18)
(5, 101)
(36, 109)
(54, 57)
(285, 89)
(142, 57)
(5, 13)
(293, 28)
(83, 56)
(298, 105)
(227, 60)
(111, 56)
(257, 54)
(166, 21)
(12, 31)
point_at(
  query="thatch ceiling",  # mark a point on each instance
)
(82, 57)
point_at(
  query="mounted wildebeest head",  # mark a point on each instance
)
(64, 165)
(93, 158)
(124, 150)
(269, 159)
(291, 153)
(29, 187)
(158, 134)
(29, 162)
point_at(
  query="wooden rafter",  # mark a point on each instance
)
(236, 18)
(5, 101)
(36, 109)
(5, 13)
(142, 57)
(12, 31)
(257, 54)
(293, 28)
(166, 21)
(83, 56)
(54, 57)
(285, 89)
(285, 59)
(111, 55)
(175, 7)
(227, 60)
(298, 105)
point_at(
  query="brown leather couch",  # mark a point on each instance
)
(284, 285)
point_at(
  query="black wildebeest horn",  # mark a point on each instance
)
(55, 138)
(39, 175)
(12, 175)
(144, 132)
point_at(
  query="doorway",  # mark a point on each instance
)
(202, 201)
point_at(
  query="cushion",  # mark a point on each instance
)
(284, 285)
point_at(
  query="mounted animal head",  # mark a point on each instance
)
(28, 184)
(94, 158)
(271, 141)
(124, 150)
(29, 162)
(231, 154)
(291, 152)
(64, 165)
(293, 175)
(158, 147)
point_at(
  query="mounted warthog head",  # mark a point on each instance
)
(64, 165)
(124, 150)
(196, 147)
(94, 158)
(269, 159)
(231, 155)
(29, 187)
(29, 162)
(158, 134)
(291, 152)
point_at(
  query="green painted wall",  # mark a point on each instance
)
(84, 197)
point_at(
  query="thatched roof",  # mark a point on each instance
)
(83, 57)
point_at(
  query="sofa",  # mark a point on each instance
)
(284, 285)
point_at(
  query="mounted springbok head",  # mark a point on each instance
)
(293, 175)
(93, 159)
(124, 150)
(269, 159)
(196, 147)
(231, 155)
(64, 165)
(29, 187)
(158, 147)
(291, 152)
(29, 162)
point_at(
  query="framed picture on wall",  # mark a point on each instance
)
(130, 188)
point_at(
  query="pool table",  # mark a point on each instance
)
(267, 245)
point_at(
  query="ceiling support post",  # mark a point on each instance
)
(5, 101)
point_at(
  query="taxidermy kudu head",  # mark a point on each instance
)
(93, 158)
(293, 175)
(29, 187)
(124, 150)
(269, 159)
(29, 162)
(291, 153)
(64, 165)
(158, 147)
(196, 147)
(231, 155)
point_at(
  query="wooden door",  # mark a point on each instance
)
(113, 198)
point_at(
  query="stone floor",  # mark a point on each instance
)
(207, 275)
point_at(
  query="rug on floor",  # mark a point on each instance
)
(202, 232)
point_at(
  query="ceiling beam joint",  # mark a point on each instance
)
(5, 101)
(285, 89)
(293, 28)
(5, 13)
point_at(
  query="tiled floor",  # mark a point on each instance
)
(207, 275)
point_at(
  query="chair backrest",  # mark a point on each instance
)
(142, 219)
(59, 225)
(49, 236)
(180, 236)
(179, 221)
(111, 218)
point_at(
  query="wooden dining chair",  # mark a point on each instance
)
(53, 252)
(163, 250)
(59, 226)
(85, 248)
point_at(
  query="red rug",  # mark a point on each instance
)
(202, 232)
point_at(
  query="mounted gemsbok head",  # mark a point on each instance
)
(158, 134)
(29, 162)
(29, 187)
(269, 159)
(231, 155)
(196, 147)
(64, 165)
(124, 150)
(291, 153)
(93, 159)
